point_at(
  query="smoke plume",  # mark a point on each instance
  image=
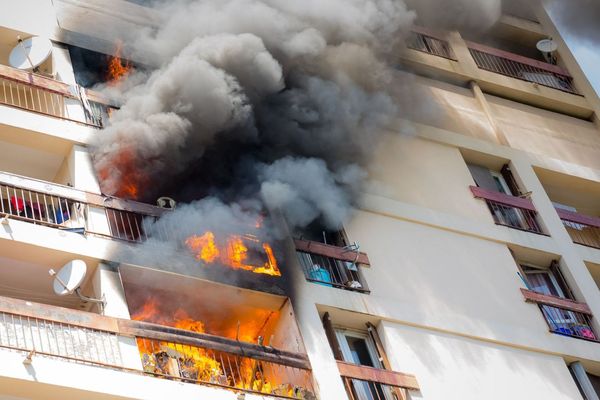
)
(252, 105)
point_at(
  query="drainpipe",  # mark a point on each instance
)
(488, 113)
(584, 382)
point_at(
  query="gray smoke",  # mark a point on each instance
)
(464, 15)
(256, 105)
(581, 18)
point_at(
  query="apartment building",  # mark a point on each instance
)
(470, 270)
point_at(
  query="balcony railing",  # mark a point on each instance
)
(47, 96)
(77, 336)
(428, 42)
(514, 212)
(331, 265)
(63, 340)
(61, 207)
(367, 383)
(563, 316)
(583, 229)
(519, 67)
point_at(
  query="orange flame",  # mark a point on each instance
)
(233, 254)
(130, 180)
(166, 358)
(116, 68)
(208, 250)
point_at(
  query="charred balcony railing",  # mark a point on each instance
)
(61, 207)
(519, 67)
(332, 266)
(47, 96)
(514, 212)
(77, 336)
(564, 316)
(428, 42)
(219, 368)
(367, 383)
(583, 229)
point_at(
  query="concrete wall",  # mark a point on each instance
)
(451, 367)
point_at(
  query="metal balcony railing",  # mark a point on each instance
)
(563, 316)
(514, 212)
(583, 229)
(203, 365)
(569, 323)
(332, 266)
(61, 207)
(428, 43)
(519, 67)
(40, 330)
(59, 339)
(47, 96)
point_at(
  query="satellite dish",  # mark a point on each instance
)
(69, 278)
(30, 53)
(166, 202)
(547, 46)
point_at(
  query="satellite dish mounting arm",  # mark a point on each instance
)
(20, 41)
(101, 301)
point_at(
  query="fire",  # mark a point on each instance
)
(116, 68)
(194, 363)
(122, 168)
(234, 253)
(208, 250)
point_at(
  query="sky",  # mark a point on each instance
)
(579, 24)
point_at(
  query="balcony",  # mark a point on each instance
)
(62, 207)
(43, 95)
(520, 67)
(564, 316)
(583, 229)
(39, 330)
(332, 266)
(511, 211)
(423, 40)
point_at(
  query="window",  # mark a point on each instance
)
(546, 280)
(335, 265)
(359, 348)
(501, 185)
(501, 181)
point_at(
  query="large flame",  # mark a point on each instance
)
(117, 69)
(234, 253)
(191, 362)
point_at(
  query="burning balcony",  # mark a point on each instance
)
(429, 42)
(218, 336)
(333, 266)
(242, 321)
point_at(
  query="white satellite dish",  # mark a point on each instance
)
(69, 278)
(30, 53)
(547, 46)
